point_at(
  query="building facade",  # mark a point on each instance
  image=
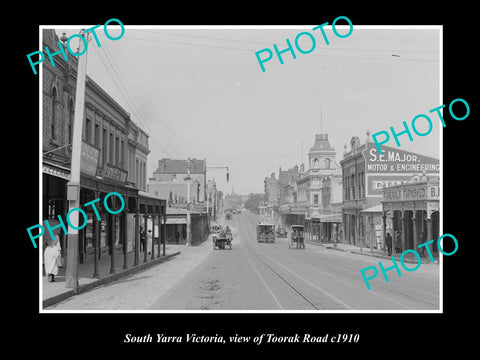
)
(365, 174)
(412, 213)
(272, 195)
(114, 152)
(169, 181)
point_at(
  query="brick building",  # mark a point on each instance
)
(366, 174)
(114, 157)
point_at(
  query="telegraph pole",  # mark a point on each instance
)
(73, 186)
(189, 227)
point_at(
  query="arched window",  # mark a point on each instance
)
(315, 163)
(327, 163)
(54, 108)
(71, 114)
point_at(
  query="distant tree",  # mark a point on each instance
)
(253, 202)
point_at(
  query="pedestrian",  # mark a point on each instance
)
(149, 241)
(51, 256)
(423, 239)
(398, 241)
(388, 242)
(143, 239)
(177, 235)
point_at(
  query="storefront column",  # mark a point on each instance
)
(415, 232)
(402, 220)
(429, 234)
(145, 250)
(164, 228)
(96, 243)
(159, 233)
(384, 217)
(137, 234)
(153, 232)
(123, 233)
(113, 228)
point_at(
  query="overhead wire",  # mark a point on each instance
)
(134, 102)
(160, 32)
(125, 93)
(254, 50)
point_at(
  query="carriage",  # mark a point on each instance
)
(222, 239)
(297, 239)
(265, 232)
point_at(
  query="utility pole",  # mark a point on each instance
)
(73, 186)
(189, 225)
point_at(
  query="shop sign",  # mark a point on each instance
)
(394, 167)
(411, 193)
(394, 161)
(89, 159)
(114, 173)
(64, 174)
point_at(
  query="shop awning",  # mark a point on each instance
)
(176, 221)
(374, 209)
(331, 218)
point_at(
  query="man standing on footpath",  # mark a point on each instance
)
(388, 242)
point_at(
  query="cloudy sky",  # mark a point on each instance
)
(200, 92)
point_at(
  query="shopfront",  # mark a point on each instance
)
(114, 235)
(412, 214)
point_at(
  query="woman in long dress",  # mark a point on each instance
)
(50, 255)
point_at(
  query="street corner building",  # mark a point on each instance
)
(175, 180)
(360, 200)
(396, 192)
(312, 196)
(113, 159)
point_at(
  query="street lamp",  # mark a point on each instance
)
(73, 186)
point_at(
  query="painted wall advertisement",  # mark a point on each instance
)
(394, 167)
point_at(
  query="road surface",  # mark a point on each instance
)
(261, 276)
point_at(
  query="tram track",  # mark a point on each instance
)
(400, 295)
(263, 259)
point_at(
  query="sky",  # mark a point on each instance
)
(199, 92)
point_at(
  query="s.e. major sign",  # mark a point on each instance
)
(393, 167)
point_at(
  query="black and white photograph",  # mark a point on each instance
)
(243, 189)
(274, 183)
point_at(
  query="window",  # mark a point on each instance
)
(88, 127)
(104, 146)
(122, 153)
(54, 108)
(71, 116)
(327, 163)
(315, 200)
(97, 135)
(347, 188)
(352, 184)
(110, 149)
(117, 151)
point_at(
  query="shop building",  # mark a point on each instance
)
(411, 212)
(365, 174)
(322, 165)
(169, 181)
(114, 152)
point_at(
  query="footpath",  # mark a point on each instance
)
(54, 292)
(409, 257)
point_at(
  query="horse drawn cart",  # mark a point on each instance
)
(223, 239)
(297, 239)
